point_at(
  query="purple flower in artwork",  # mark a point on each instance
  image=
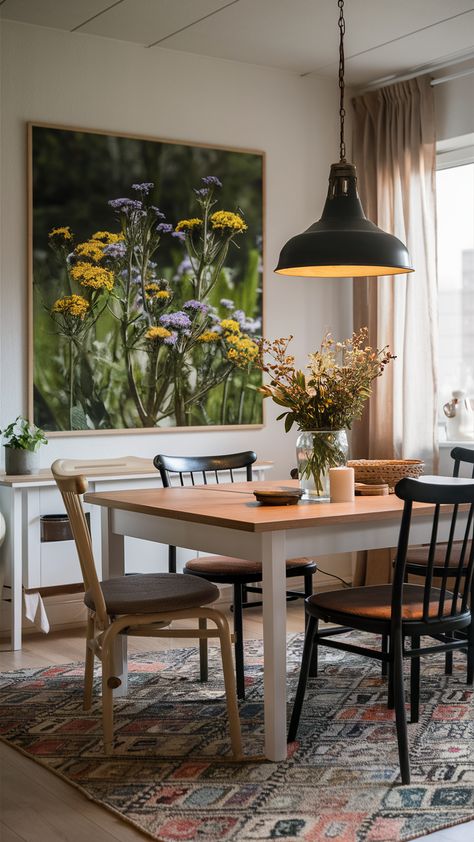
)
(164, 228)
(143, 188)
(176, 321)
(115, 251)
(184, 268)
(125, 205)
(135, 276)
(159, 214)
(239, 317)
(211, 181)
(180, 235)
(246, 324)
(197, 306)
(252, 325)
(171, 340)
(227, 303)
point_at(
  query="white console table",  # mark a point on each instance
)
(28, 563)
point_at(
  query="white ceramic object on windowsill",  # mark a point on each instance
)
(460, 417)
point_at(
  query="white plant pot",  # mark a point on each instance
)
(18, 462)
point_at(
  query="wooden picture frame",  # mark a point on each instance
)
(145, 302)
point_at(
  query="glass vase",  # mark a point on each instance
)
(316, 452)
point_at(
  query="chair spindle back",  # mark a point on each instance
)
(72, 485)
(439, 491)
(196, 468)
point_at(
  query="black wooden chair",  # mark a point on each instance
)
(417, 557)
(405, 610)
(227, 570)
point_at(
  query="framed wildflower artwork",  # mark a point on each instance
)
(146, 265)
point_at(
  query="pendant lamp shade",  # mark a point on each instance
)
(343, 243)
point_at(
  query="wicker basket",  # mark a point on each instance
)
(385, 470)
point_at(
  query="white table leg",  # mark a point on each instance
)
(274, 643)
(113, 564)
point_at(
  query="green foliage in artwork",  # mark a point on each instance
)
(140, 321)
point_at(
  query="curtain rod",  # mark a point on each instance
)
(422, 71)
(441, 79)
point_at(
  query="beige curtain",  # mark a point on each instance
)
(394, 151)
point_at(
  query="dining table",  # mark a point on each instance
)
(226, 519)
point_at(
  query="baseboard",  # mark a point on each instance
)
(67, 611)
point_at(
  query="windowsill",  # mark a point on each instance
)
(448, 444)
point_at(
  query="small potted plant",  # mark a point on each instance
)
(22, 441)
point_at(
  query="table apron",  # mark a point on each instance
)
(310, 540)
(189, 535)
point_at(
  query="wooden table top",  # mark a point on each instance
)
(234, 506)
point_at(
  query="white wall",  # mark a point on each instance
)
(81, 80)
(454, 106)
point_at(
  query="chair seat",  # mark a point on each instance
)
(150, 593)
(419, 555)
(239, 568)
(373, 602)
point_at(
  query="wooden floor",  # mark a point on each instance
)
(37, 806)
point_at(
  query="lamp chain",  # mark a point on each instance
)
(342, 111)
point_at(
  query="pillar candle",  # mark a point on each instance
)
(341, 485)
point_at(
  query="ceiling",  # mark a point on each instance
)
(383, 37)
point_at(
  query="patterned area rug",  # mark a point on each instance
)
(340, 781)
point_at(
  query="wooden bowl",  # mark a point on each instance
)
(285, 497)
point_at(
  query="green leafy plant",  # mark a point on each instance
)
(21, 435)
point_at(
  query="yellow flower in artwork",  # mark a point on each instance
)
(152, 288)
(188, 224)
(91, 250)
(156, 334)
(95, 277)
(71, 305)
(153, 291)
(209, 336)
(243, 351)
(60, 236)
(230, 326)
(107, 237)
(228, 221)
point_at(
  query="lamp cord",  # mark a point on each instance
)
(342, 111)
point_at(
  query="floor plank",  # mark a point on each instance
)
(37, 806)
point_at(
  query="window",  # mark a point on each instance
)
(455, 233)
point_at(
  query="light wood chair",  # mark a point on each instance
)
(404, 610)
(141, 604)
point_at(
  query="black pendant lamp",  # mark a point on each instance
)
(343, 243)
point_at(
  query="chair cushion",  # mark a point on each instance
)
(149, 593)
(419, 555)
(224, 565)
(373, 602)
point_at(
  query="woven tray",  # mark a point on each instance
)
(385, 470)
